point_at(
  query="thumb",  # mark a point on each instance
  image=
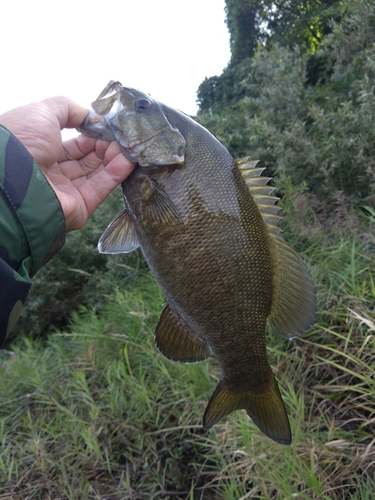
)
(69, 113)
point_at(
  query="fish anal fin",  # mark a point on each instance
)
(176, 341)
(120, 235)
(293, 299)
(265, 407)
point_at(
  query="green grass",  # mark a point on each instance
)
(95, 412)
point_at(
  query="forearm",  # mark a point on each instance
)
(32, 226)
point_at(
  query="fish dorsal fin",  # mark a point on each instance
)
(261, 192)
(176, 341)
(120, 235)
(293, 300)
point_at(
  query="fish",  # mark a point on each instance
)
(207, 226)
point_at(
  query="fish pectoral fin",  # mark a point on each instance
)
(293, 308)
(120, 235)
(176, 341)
(265, 407)
(159, 207)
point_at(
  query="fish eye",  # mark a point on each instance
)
(142, 105)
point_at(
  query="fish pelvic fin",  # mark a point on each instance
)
(293, 308)
(265, 406)
(176, 341)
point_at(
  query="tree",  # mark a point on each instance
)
(255, 23)
(315, 138)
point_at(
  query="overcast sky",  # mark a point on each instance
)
(163, 47)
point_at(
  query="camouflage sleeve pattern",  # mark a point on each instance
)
(32, 226)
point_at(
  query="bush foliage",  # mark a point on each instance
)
(312, 138)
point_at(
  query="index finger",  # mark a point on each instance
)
(76, 148)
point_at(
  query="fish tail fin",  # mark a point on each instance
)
(265, 407)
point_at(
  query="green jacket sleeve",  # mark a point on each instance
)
(32, 226)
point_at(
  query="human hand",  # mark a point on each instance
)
(82, 171)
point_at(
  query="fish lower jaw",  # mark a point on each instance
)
(133, 143)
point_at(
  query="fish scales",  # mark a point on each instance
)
(206, 259)
(206, 237)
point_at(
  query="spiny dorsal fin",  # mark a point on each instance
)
(261, 192)
(246, 164)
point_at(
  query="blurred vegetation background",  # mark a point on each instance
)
(89, 409)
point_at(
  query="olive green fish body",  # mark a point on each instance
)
(213, 265)
(206, 226)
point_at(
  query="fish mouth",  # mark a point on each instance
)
(95, 126)
(113, 87)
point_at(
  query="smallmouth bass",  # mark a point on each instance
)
(207, 227)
